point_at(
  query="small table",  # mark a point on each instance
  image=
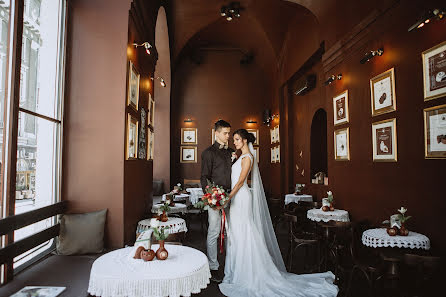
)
(318, 215)
(175, 225)
(296, 198)
(195, 194)
(179, 197)
(178, 208)
(184, 272)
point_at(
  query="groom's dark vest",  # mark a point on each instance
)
(216, 166)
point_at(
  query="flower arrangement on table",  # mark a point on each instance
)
(327, 203)
(397, 223)
(165, 207)
(299, 188)
(160, 235)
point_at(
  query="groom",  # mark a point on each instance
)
(216, 162)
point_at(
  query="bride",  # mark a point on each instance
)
(254, 264)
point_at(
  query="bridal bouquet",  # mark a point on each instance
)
(214, 196)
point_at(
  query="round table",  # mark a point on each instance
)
(318, 215)
(175, 225)
(117, 274)
(296, 198)
(178, 208)
(179, 197)
(379, 238)
(195, 194)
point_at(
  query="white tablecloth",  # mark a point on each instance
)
(296, 198)
(318, 215)
(178, 208)
(117, 274)
(175, 225)
(180, 197)
(195, 194)
(379, 238)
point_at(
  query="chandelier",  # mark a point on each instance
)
(230, 11)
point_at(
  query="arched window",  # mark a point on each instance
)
(318, 143)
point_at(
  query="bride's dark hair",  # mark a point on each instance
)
(244, 134)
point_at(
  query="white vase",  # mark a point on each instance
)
(325, 202)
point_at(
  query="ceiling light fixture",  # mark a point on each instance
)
(231, 11)
(162, 81)
(427, 17)
(371, 54)
(332, 78)
(146, 45)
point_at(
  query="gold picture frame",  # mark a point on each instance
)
(382, 92)
(131, 144)
(189, 136)
(150, 143)
(273, 135)
(340, 108)
(151, 112)
(384, 141)
(188, 154)
(213, 136)
(435, 132)
(342, 144)
(278, 154)
(257, 151)
(133, 86)
(256, 135)
(273, 155)
(277, 133)
(434, 72)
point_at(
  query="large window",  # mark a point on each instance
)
(37, 179)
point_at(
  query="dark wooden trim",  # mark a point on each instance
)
(10, 251)
(15, 222)
(39, 115)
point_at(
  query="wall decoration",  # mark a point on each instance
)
(273, 135)
(277, 134)
(434, 71)
(384, 140)
(256, 135)
(382, 89)
(132, 138)
(188, 154)
(257, 153)
(133, 86)
(340, 108)
(150, 144)
(213, 136)
(151, 112)
(273, 155)
(435, 132)
(142, 136)
(277, 154)
(341, 144)
(189, 136)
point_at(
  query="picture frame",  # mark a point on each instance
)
(278, 154)
(273, 155)
(188, 154)
(384, 141)
(150, 143)
(435, 132)
(142, 141)
(256, 135)
(382, 92)
(277, 133)
(257, 151)
(189, 136)
(273, 135)
(342, 144)
(151, 112)
(213, 136)
(340, 108)
(434, 71)
(131, 145)
(133, 86)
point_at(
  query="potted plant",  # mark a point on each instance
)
(160, 235)
(403, 219)
(164, 208)
(327, 203)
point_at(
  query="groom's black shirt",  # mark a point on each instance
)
(216, 166)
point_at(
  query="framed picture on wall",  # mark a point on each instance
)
(278, 154)
(142, 146)
(273, 135)
(340, 108)
(257, 153)
(213, 136)
(151, 113)
(341, 144)
(256, 135)
(382, 90)
(273, 155)
(133, 86)
(188, 154)
(150, 137)
(189, 136)
(277, 134)
(384, 141)
(434, 71)
(435, 132)
(132, 138)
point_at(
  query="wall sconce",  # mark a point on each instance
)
(427, 17)
(188, 120)
(162, 82)
(231, 11)
(332, 78)
(146, 44)
(251, 122)
(371, 54)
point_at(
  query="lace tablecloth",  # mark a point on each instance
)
(318, 215)
(296, 198)
(175, 225)
(117, 274)
(379, 238)
(195, 194)
(178, 208)
(180, 197)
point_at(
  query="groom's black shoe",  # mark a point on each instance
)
(215, 276)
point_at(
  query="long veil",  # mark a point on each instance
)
(261, 215)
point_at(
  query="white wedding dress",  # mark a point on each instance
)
(254, 264)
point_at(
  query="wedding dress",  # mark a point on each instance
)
(254, 264)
